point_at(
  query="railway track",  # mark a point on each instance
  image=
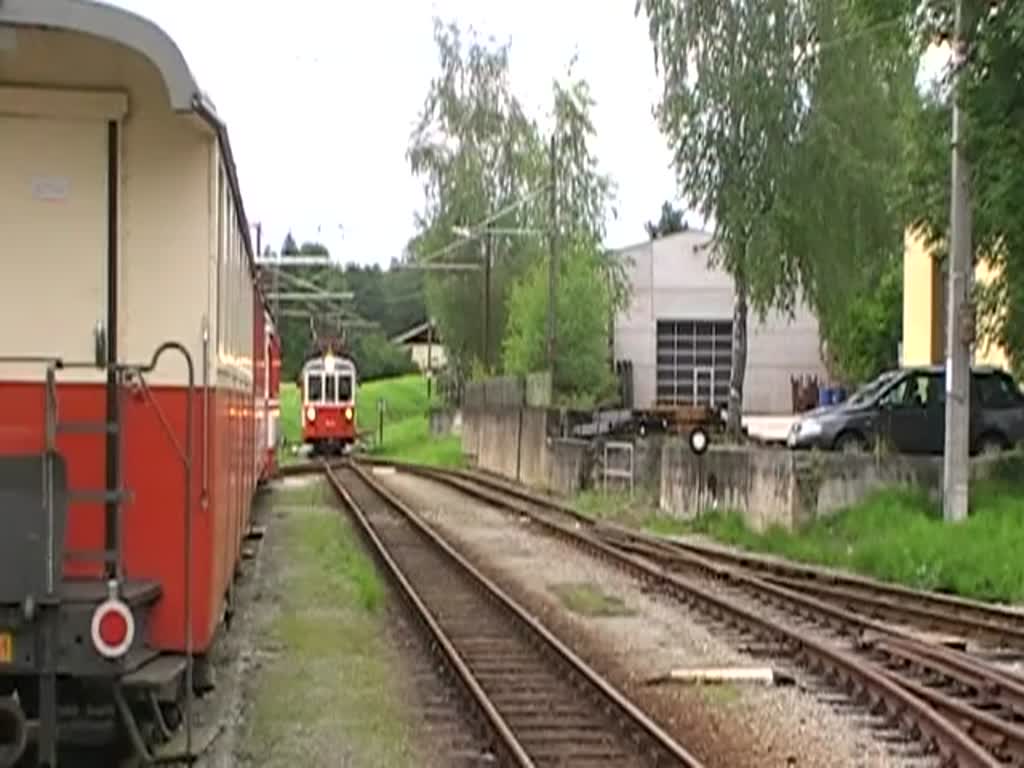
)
(538, 702)
(969, 711)
(991, 626)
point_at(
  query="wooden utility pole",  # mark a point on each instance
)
(430, 357)
(487, 301)
(553, 263)
(956, 457)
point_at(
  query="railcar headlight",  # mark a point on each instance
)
(310, 413)
(348, 414)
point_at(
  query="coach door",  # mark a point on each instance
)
(55, 160)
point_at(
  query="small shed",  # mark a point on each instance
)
(424, 345)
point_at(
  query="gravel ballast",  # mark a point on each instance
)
(632, 635)
(321, 668)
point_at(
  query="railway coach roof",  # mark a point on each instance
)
(146, 38)
(116, 25)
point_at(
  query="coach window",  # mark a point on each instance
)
(344, 387)
(330, 390)
(314, 388)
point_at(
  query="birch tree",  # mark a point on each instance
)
(783, 121)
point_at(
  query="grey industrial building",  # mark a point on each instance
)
(676, 333)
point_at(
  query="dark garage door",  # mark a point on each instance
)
(694, 362)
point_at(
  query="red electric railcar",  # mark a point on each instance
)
(137, 378)
(328, 385)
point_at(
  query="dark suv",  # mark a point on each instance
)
(906, 408)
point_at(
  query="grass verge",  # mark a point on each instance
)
(406, 422)
(895, 535)
(899, 535)
(328, 693)
(588, 600)
(637, 510)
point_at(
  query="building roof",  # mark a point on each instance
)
(418, 335)
(688, 232)
(117, 25)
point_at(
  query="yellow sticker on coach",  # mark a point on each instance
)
(6, 648)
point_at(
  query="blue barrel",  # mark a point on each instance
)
(840, 395)
(824, 394)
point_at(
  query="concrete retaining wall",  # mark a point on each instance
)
(768, 486)
(519, 443)
(790, 489)
(445, 421)
(779, 487)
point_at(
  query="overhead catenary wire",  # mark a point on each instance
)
(475, 234)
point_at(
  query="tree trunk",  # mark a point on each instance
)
(734, 425)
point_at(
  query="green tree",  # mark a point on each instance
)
(377, 358)
(309, 248)
(472, 148)
(670, 222)
(583, 374)
(862, 335)
(592, 283)
(764, 104)
(731, 106)
(841, 209)
(993, 103)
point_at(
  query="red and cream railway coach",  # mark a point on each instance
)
(271, 377)
(135, 378)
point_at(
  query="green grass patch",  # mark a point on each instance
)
(587, 599)
(638, 510)
(899, 536)
(291, 417)
(663, 525)
(330, 684)
(406, 422)
(719, 694)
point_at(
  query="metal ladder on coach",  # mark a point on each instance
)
(112, 499)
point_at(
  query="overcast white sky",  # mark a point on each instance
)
(320, 97)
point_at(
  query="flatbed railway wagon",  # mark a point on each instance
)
(135, 410)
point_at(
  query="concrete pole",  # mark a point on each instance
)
(553, 264)
(487, 302)
(956, 469)
(430, 360)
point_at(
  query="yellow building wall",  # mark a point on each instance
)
(922, 303)
(924, 308)
(984, 352)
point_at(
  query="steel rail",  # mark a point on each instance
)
(930, 609)
(509, 747)
(995, 624)
(664, 745)
(862, 680)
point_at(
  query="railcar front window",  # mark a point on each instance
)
(344, 388)
(314, 388)
(331, 390)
